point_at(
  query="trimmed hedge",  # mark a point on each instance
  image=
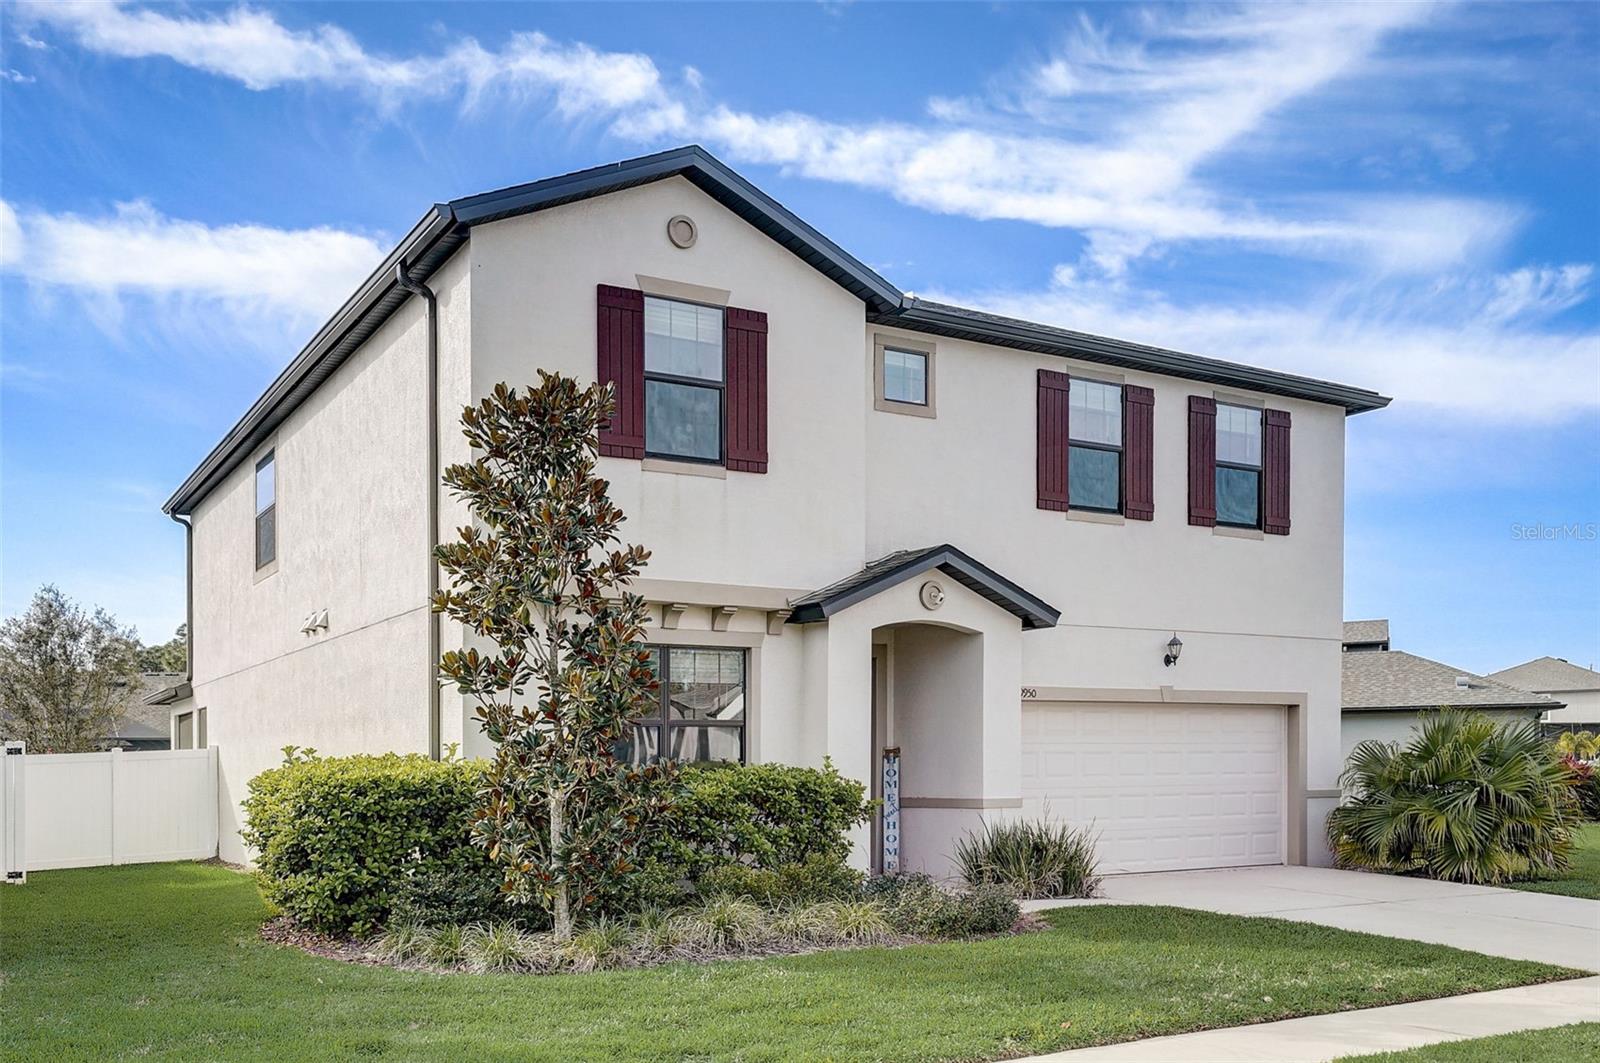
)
(766, 816)
(344, 840)
(339, 836)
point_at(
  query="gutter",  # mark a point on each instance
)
(430, 304)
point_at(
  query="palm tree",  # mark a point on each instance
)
(1465, 799)
(1581, 745)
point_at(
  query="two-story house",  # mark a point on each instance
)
(1057, 573)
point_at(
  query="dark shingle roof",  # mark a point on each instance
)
(1395, 680)
(445, 227)
(896, 568)
(1549, 673)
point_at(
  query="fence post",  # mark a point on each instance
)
(13, 814)
(214, 818)
(116, 812)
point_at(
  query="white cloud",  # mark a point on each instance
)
(253, 48)
(1443, 346)
(16, 77)
(1111, 137)
(296, 274)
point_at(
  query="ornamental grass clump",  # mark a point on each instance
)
(1031, 858)
(1464, 799)
(500, 947)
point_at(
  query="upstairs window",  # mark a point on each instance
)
(683, 380)
(905, 376)
(1238, 466)
(266, 510)
(700, 714)
(1094, 454)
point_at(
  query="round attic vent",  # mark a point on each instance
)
(681, 231)
(932, 595)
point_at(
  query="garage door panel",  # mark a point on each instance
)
(1166, 787)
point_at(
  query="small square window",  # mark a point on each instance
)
(903, 377)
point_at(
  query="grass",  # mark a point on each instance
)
(164, 961)
(1583, 878)
(1579, 1041)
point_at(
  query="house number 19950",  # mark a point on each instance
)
(1029, 692)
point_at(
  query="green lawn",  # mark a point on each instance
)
(1583, 880)
(1581, 1041)
(164, 961)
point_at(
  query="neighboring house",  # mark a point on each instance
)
(875, 521)
(1387, 691)
(145, 725)
(1577, 686)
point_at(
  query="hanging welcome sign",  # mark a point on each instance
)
(891, 811)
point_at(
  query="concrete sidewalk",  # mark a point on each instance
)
(1319, 1038)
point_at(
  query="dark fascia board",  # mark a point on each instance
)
(1528, 706)
(982, 580)
(958, 323)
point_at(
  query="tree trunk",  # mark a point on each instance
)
(558, 830)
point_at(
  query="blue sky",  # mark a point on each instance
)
(1402, 197)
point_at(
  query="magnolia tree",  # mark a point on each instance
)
(543, 575)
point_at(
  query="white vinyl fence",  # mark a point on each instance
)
(89, 809)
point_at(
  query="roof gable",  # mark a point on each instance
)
(894, 569)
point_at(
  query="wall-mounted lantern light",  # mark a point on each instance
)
(1174, 648)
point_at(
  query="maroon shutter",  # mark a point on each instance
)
(1138, 458)
(745, 352)
(1275, 473)
(1052, 439)
(1202, 461)
(620, 363)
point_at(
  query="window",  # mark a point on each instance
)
(266, 511)
(902, 377)
(905, 376)
(184, 728)
(1238, 466)
(683, 380)
(701, 711)
(1094, 451)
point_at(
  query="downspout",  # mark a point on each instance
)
(431, 307)
(188, 596)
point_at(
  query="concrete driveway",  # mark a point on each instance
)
(1524, 926)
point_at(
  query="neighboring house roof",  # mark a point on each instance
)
(1549, 673)
(1365, 631)
(179, 691)
(1397, 680)
(902, 565)
(144, 717)
(445, 226)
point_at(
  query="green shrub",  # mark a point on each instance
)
(446, 896)
(1032, 858)
(761, 815)
(1464, 799)
(916, 904)
(1585, 783)
(819, 878)
(337, 837)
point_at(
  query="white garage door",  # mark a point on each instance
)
(1168, 787)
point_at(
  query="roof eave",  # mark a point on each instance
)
(1033, 612)
(1027, 336)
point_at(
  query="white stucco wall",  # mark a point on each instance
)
(1582, 707)
(351, 463)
